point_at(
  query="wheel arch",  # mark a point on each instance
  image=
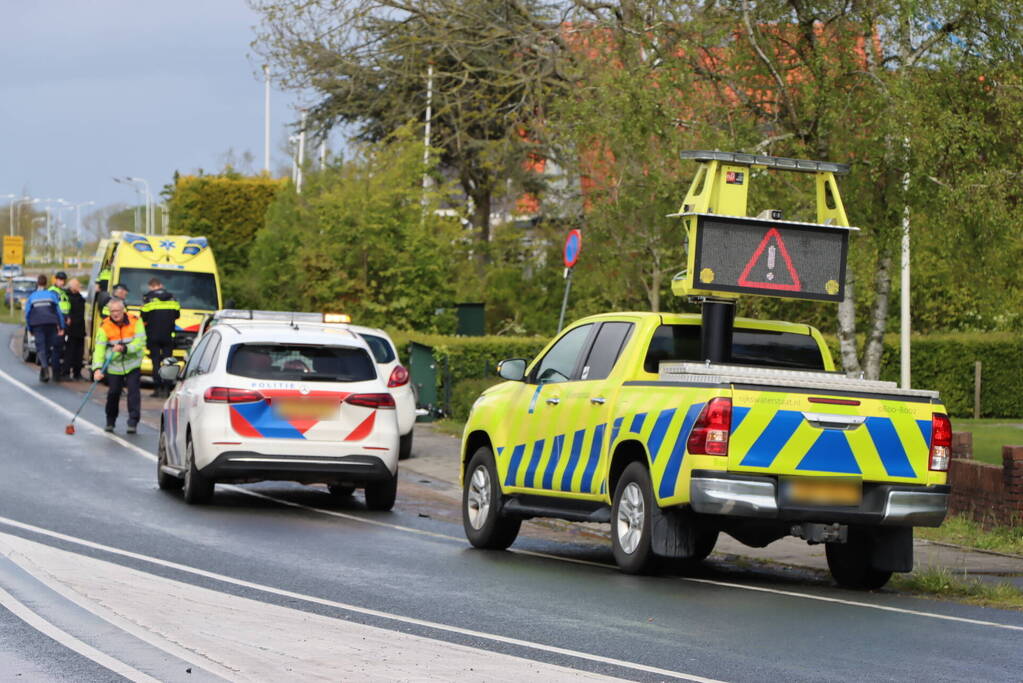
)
(475, 440)
(625, 452)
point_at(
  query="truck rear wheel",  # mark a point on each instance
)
(850, 563)
(484, 525)
(630, 521)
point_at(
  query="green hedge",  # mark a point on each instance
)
(946, 363)
(467, 359)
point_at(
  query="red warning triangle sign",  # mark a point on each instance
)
(770, 276)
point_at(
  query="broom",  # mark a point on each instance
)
(70, 429)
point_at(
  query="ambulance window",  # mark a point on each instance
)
(605, 350)
(560, 362)
(382, 351)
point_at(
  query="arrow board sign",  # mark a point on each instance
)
(770, 258)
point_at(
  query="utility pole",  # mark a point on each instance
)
(266, 119)
(426, 131)
(301, 154)
(905, 321)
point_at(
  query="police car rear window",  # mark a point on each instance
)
(302, 362)
(749, 347)
(382, 351)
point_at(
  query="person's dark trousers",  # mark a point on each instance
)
(55, 353)
(158, 350)
(73, 350)
(116, 383)
(44, 337)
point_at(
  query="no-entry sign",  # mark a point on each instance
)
(770, 258)
(573, 245)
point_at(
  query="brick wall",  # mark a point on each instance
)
(989, 494)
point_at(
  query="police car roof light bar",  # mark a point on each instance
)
(781, 163)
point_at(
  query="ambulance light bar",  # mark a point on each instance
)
(282, 316)
(781, 163)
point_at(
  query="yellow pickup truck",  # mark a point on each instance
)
(618, 420)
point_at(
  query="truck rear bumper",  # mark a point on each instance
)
(736, 495)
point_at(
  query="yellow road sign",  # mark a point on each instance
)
(14, 249)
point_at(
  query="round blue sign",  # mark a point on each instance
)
(573, 245)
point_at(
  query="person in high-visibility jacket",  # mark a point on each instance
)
(123, 336)
(57, 350)
(160, 311)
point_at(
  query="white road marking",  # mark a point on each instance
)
(354, 608)
(433, 534)
(45, 627)
(249, 639)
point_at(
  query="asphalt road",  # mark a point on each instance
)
(105, 576)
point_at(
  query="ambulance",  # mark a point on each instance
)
(185, 265)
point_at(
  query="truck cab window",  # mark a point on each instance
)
(679, 343)
(605, 350)
(560, 362)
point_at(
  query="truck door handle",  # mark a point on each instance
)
(553, 401)
(598, 400)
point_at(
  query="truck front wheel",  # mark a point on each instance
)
(850, 563)
(484, 525)
(630, 521)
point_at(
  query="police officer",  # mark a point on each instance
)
(120, 291)
(123, 336)
(57, 350)
(160, 310)
(46, 322)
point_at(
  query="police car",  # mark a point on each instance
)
(380, 345)
(265, 401)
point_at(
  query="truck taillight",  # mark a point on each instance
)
(228, 395)
(371, 400)
(941, 442)
(710, 433)
(399, 377)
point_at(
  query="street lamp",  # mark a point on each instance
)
(62, 228)
(78, 229)
(148, 200)
(17, 213)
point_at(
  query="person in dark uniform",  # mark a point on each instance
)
(119, 291)
(74, 346)
(160, 311)
(56, 352)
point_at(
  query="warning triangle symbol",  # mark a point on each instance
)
(771, 266)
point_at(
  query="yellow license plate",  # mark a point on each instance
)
(822, 490)
(306, 409)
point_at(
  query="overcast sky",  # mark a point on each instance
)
(101, 88)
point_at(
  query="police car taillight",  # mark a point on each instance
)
(399, 377)
(228, 395)
(371, 400)
(941, 442)
(710, 433)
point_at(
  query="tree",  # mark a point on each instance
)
(484, 66)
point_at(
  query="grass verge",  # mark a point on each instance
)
(964, 531)
(448, 426)
(990, 435)
(16, 319)
(945, 584)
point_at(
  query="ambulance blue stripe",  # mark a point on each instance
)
(513, 466)
(585, 486)
(556, 445)
(637, 423)
(889, 446)
(738, 415)
(925, 429)
(653, 444)
(830, 453)
(678, 452)
(774, 437)
(534, 460)
(573, 460)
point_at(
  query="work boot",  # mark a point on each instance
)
(44, 375)
(132, 428)
(108, 428)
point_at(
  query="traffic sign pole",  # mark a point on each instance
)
(570, 255)
(564, 301)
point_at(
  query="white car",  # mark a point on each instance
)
(279, 402)
(380, 344)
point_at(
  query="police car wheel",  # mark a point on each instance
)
(27, 355)
(849, 563)
(198, 489)
(630, 521)
(481, 505)
(166, 482)
(405, 446)
(380, 496)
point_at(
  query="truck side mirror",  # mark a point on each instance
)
(513, 369)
